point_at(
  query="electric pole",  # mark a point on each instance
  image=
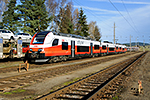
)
(130, 43)
(114, 32)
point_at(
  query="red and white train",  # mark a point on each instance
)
(49, 46)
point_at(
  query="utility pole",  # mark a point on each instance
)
(143, 45)
(136, 42)
(130, 43)
(114, 32)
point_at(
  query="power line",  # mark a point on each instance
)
(90, 12)
(123, 16)
(129, 14)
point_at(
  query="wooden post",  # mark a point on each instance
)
(26, 64)
(140, 86)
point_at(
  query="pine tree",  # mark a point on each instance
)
(97, 33)
(82, 26)
(33, 16)
(64, 19)
(10, 17)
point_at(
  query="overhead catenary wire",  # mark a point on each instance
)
(80, 4)
(129, 15)
(90, 12)
(123, 16)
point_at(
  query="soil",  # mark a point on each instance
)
(141, 73)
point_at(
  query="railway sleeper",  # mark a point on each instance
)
(81, 89)
(78, 92)
(67, 96)
(87, 87)
(87, 84)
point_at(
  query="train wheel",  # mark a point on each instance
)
(49, 61)
(64, 58)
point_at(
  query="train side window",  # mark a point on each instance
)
(111, 49)
(117, 48)
(55, 42)
(64, 45)
(82, 49)
(103, 47)
(96, 47)
(120, 48)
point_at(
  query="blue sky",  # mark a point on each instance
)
(131, 17)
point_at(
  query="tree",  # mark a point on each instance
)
(94, 31)
(64, 19)
(58, 18)
(67, 20)
(33, 16)
(52, 6)
(75, 19)
(97, 33)
(10, 17)
(82, 26)
(3, 7)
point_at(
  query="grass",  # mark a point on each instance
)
(12, 92)
(115, 98)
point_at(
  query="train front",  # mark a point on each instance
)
(39, 43)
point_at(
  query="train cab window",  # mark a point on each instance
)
(96, 47)
(64, 45)
(103, 47)
(55, 42)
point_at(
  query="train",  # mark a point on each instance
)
(48, 46)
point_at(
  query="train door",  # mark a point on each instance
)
(1, 48)
(91, 44)
(72, 48)
(107, 49)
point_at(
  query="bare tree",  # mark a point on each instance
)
(52, 6)
(94, 31)
(75, 17)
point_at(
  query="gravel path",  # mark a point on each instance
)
(142, 73)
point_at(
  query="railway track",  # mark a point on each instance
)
(32, 66)
(18, 81)
(101, 85)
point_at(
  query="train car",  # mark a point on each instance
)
(124, 49)
(104, 48)
(48, 46)
(119, 48)
(111, 48)
(10, 49)
(108, 48)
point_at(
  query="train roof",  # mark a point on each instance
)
(66, 35)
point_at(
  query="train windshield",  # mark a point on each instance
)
(39, 38)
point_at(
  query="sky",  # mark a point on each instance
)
(131, 18)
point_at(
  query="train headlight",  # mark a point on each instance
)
(30, 49)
